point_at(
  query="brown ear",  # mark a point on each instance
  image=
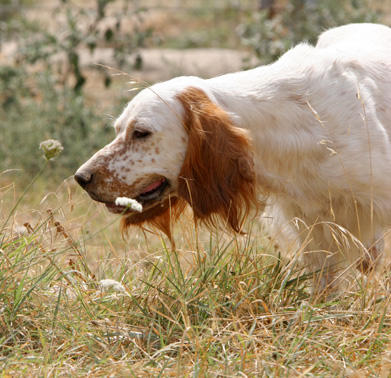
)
(217, 178)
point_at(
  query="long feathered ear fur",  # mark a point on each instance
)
(217, 178)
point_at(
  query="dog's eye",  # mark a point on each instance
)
(141, 134)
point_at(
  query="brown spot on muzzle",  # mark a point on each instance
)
(104, 185)
(107, 186)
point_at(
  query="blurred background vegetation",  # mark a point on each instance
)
(54, 79)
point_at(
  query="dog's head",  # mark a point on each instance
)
(174, 146)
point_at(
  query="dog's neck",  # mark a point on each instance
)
(275, 107)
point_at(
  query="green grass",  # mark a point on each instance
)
(217, 306)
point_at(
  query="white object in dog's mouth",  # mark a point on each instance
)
(129, 203)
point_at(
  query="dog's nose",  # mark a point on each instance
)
(83, 178)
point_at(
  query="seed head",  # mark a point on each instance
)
(51, 148)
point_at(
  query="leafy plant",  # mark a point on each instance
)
(84, 30)
(298, 21)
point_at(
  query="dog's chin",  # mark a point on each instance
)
(151, 213)
(152, 196)
(113, 208)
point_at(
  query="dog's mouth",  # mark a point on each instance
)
(153, 191)
(151, 194)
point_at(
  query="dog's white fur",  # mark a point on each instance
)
(320, 123)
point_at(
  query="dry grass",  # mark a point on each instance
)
(218, 306)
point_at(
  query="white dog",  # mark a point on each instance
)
(309, 136)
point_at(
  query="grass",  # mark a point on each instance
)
(217, 306)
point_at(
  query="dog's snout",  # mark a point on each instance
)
(83, 178)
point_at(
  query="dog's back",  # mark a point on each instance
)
(362, 35)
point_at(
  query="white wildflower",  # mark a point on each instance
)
(51, 148)
(130, 203)
(109, 284)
